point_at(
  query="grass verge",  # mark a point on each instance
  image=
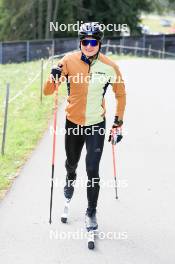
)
(27, 118)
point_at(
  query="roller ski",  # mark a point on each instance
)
(68, 193)
(91, 227)
(64, 216)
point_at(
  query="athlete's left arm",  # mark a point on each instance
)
(120, 94)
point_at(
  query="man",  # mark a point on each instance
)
(86, 109)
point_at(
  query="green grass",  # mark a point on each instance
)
(122, 57)
(27, 117)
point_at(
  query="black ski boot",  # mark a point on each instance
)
(91, 219)
(68, 191)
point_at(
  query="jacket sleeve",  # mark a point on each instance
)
(120, 94)
(50, 86)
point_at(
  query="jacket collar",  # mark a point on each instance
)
(86, 60)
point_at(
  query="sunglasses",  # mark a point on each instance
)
(91, 42)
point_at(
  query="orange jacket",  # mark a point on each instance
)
(87, 84)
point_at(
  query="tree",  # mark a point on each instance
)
(55, 13)
(23, 19)
(40, 19)
(48, 17)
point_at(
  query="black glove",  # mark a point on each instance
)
(56, 72)
(116, 133)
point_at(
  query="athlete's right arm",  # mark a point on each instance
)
(56, 73)
(49, 87)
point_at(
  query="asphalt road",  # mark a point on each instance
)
(136, 229)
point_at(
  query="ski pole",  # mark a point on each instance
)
(114, 165)
(53, 150)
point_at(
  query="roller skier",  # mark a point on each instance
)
(86, 110)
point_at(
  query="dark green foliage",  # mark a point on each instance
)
(23, 19)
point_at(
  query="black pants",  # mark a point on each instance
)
(93, 136)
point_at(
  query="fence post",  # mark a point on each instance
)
(163, 47)
(149, 51)
(53, 49)
(121, 45)
(107, 46)
(136, 46)
(5, 118)
(144, 41)
(0, 52)
(27, 50)
(41, 88)
(115, 49)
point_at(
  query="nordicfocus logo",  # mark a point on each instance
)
(76, 27)
(82, 130)
(82, 183)
(93, 77)
(81, 234)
